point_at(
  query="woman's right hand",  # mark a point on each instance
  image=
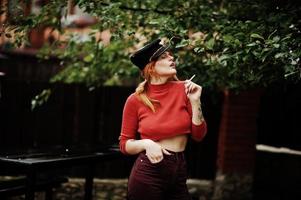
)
(154, 151)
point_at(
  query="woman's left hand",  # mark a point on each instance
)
(193, 91)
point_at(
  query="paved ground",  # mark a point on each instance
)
(115, 189)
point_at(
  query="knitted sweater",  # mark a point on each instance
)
(173, 115)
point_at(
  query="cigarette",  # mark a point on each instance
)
(192, 77)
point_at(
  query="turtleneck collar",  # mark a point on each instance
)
(158, 88)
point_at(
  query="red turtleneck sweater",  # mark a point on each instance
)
(173, 115)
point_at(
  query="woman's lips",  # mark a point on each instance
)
(173, 65)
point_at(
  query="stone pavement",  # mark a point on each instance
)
(115, 189)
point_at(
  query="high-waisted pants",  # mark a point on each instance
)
(165, 180)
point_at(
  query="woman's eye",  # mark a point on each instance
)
(164, 56)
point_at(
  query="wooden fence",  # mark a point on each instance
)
(74, 116)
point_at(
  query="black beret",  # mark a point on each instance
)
(148, 53)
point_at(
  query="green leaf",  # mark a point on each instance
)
(183, 43)
(40, 99)
(89, 58)
(251, 44)
(228, 38)
(276, 45)
(154, 22)
(256, 36)
(276, 38)
(279, 55)
(224, 57)
(210, 44)
(293, 62)
(198, 49)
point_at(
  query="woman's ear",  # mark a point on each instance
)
(142, 74)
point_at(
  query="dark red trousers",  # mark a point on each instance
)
(165, 180)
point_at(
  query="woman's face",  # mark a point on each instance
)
(165, 65)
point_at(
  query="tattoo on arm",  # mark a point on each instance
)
(201, 117)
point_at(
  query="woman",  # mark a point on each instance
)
(164, 112)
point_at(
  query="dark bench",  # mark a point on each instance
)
(35, 163)
(17, 186)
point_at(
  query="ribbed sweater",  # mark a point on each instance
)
(173, 115)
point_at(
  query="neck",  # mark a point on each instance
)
(159, 81)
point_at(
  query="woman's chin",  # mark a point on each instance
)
(173, 71)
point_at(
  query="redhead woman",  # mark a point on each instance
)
(163, 112)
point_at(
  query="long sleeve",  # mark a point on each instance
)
(198, 132)
(129, 122)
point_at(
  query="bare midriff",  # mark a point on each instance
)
(175, 144)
